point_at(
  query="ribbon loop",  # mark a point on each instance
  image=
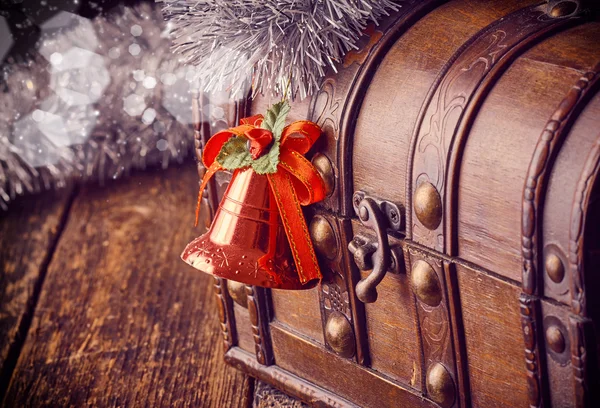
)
(300, 136)
(307, 181)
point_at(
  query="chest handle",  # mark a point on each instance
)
(375, 255)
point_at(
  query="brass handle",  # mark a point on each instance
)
(378, 256)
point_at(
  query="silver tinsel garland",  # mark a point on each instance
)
(285, 46)
(97, 99)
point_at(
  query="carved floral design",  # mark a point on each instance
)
(434, 321)
(325, 107)
(437, 133)
(451, 99)
(435, 329)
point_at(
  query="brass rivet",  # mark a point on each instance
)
(428, 205)
(237, 291)
(555, 268)
(323, 166)
(323, 237)
(425, 284)
(339, 335)
(564, 8)
(440, 385)
(555, 339)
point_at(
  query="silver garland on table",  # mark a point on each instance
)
(284, 45)
(96, 99)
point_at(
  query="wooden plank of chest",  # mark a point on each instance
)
(121, 320)
(36, 224)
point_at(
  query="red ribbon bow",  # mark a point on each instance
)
(296, 181)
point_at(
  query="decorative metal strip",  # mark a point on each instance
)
(343, 331)
(451, 105)
(202, 129)
(202, 132)
(226, 319)
(579, 211)
(546, 150)
(530, 316)
(426, 270)
(582, 344)
(339, 100)
(580, 325)
(545, 153)
(201, 135)
(260, 325)
(458, 330)
(357, 308)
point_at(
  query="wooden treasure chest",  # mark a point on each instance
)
(460, 240)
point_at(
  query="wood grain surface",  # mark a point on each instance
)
(121, 321)
(494, 349)
(28, 234)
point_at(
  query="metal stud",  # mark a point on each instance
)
(339, 335)
(425, 284)
(440, 386)
(323, 237)
(427, 204)
(237, 291)
(554, 268)
(323, 166)
(555, 339)
(564, 8)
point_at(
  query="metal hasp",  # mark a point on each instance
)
(377, 256)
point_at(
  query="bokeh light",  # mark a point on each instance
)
(79, 76)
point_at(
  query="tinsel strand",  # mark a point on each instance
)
(274, 42)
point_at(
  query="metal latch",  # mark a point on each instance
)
(375, 255)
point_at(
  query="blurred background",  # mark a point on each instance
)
(90, 90)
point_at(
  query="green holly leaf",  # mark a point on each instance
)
(275, 119)
(234, 154)
(267, 163)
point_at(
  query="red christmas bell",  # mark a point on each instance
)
(246, 233)
(259, 235)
